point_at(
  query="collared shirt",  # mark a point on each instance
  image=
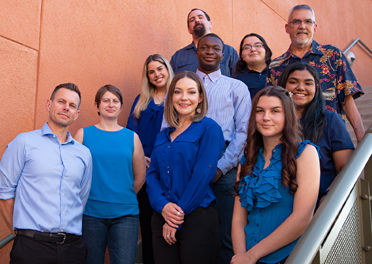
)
(337, 80)
(229, 104)
(181, 171)
(185, 60)
(147, 126)
(253, 79)
(51, 181)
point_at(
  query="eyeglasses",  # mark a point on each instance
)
(307, 22)
(256, 46)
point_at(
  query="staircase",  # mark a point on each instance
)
(364, 105)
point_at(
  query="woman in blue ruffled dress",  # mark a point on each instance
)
(277, 187)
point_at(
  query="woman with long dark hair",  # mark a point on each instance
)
(277, 187)
(252, 67)
(322, 127)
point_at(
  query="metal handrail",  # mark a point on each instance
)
(6, 240)
(310, 242)
(355, 42)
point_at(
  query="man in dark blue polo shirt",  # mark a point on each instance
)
(199, 24)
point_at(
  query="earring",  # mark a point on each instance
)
(198, 110)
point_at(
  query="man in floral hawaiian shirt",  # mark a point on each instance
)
(338, 82)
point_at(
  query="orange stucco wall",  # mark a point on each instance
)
(44, 43)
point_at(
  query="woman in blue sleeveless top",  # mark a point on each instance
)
(277, 187)
(185, 224)
(111, 213)
(322, 127)
(145, 119)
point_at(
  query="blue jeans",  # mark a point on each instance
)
(120, 234)
(224, 192)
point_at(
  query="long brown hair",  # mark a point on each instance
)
(290, 138)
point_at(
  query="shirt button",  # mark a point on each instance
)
(63, 177)
(63, 212)
(63, 194)
(61, 230)
(168, 146)
(209, 166)
(167, 171)
(258, 225)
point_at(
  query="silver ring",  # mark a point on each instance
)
(178, 213)
(167, 235)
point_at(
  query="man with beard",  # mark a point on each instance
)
(229, 104)
(338, 82)
(45, 178)
(199, 24)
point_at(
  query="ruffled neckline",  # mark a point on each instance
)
(260, 189)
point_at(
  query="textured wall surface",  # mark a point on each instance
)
(95, 42)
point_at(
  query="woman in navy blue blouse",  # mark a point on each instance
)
(185, 223)
(277, 187)
(252, 67)
(322, 127)
(145, 119)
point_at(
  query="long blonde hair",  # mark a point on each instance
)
(147, 88)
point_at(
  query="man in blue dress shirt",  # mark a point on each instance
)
(50, 173)
(229, 104)
(199, 24)
(338, 82)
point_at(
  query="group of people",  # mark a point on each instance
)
(223, 160)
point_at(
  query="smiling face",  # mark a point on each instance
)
(270, 117)
(198, 24)
(209, 54)
(63, 109)
(301, 35)
(109, 106)
(157, 74)
(302, 85)
(186, 97)
(252, 55)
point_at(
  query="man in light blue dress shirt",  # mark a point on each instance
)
(50, 173)
(230, 106)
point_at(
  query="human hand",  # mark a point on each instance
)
(242, 258)
(218, 175)
(147, 162)
(169, 234)
(173, 214)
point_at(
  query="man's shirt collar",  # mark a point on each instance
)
(213, 76)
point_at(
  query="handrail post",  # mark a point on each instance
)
(6, 240)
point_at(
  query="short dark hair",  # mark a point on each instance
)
(241, 64)
(313, 119)
(214, 36)
(205, 13)
(69, 86)
(108, 88)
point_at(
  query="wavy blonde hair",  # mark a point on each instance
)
(147, 88)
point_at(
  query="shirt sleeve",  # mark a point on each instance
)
(11, 167)
(132, 123)
(242, 109)
(340, 137)
(86, 180)
(210, 147)
(347, 83)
